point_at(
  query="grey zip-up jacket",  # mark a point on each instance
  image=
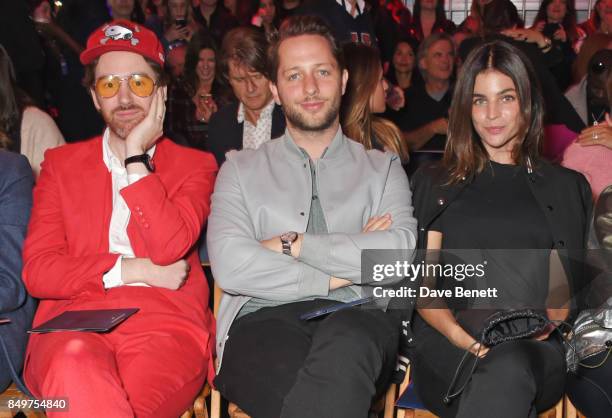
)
(263, 193)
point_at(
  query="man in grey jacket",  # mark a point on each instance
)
(285, 235)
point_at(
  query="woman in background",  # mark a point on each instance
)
(267, 16)
(556, 19)
(193, 97)
(429, 17)
(24, 128)
(364, 98)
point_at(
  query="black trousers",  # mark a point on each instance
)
(276, 365)
(515, 379)
(590, 390)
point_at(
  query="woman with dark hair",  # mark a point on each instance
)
(178, 22)
(194, 97)
(556, 20)
(267, 16)
(600, 20)
(473, 23)
(402, 69)
(492, 192)
(429, 17)
(364, 98)
(24, 128)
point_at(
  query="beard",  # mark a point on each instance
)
(301, 121)
(122, 128)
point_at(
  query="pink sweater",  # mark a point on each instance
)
(594, 161)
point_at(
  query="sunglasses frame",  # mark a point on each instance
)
(121, 80)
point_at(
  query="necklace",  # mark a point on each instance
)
(598, 119)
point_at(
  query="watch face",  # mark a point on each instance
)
(289, 236)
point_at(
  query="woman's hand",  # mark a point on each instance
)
(205, 108)
(174, 33)
(560, 34)
(527, 35)
(600, 134)
(458, 337)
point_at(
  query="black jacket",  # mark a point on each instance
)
(225, 133)
(563, 195)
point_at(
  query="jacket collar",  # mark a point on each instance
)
(337, 148)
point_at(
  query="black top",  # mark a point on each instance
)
(497, 210)
(421, 109)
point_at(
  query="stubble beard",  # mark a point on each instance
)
(123, 129)
(300, 121)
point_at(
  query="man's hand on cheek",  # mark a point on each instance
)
(143, 136)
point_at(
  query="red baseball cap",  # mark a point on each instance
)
(123, 35)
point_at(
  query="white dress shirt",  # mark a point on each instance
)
(255, 135)
(118, 241)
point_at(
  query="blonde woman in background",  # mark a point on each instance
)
(365, 97)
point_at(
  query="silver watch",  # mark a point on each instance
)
(287, 239)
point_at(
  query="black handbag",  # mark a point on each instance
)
(500, 327)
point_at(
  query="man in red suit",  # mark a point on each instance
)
(114, 225)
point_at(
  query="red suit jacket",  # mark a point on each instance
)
(66, 249)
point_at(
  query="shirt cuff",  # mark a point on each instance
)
(112, 278)
(315, 249)
(133, 178)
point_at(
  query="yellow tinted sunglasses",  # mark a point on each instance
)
(140, 84)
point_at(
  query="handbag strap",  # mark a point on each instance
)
(450, 396)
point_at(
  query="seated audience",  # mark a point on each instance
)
(16, 181)
(178, 24)
(350, 20)
(288, 8)
(501, 22)
(429, 17)
(424, 117)
(297, 212)
(255, 118)
(364, 98)
(556, 19)
(215, 18)
(27, 129)
(497, 193)
(193, 98)
(591, 153)
(114, 225)
(473, 23)
(126, 10)
(266, 17)
(600, 20)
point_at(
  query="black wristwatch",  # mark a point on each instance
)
(287, 239)
(142, 158)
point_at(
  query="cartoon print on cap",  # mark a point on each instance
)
(119, 33)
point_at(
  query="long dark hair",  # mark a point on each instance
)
(440, 13)
(12, 100)
(465, 155)
(569, 20)
(199, 41)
